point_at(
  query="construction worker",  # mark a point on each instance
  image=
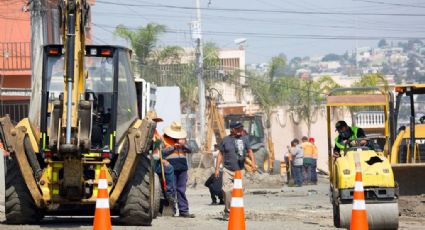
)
(296, 152)
(347, 137)
(233, 150)
(175, 151)
(309, 151)
(314, 162)
(162, 167)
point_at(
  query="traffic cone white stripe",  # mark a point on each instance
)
(359, 205)
(237, 184)
(237, 202)
(358, 186)
(102, 203)
(102, 184)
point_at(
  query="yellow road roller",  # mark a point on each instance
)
(368, 109)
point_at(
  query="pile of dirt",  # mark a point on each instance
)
(264, 180)
(198, 176)
(412, 206)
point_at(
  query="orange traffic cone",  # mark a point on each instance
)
(358, 213)
(102, 215)
(237, 213)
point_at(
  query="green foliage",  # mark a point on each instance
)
(305, 96)
(332, 57)
(143, 40)
(210, 53)
(374, 79)
(382, 43)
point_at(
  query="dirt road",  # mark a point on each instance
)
(307, 207)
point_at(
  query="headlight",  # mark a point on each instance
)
(346, 171)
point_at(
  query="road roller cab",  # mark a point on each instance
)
(369, 109)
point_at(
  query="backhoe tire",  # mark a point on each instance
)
(19, 205)
(157, 196)
(135, 205)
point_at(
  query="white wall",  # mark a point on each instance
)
(284, 130)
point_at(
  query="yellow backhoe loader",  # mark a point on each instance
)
(83, 118)
(408, 151)
(379, 187)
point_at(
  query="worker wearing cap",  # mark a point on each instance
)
(233, 150)
(347, 136)
(175, 151)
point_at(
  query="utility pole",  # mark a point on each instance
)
(197, 35)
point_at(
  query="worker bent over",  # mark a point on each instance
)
(162, 167)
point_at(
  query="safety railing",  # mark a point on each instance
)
(369, 119)
(15, 56)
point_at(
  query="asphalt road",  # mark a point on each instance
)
(307, 207)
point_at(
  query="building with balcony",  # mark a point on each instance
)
(15, 59)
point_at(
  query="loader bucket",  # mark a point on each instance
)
(410, 178)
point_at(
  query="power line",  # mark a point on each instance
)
(262, 10)
(391, 4)
(377, 28)
(284, 36)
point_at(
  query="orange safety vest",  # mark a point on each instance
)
(308, 149)
(170, 142)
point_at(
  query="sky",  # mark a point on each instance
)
(270, 27)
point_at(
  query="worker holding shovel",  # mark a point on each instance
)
(162, 167)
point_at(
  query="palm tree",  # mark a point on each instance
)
(267, 91)
(144, 41)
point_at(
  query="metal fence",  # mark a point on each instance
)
(15, 56)
(17, 110)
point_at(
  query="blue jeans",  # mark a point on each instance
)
(180, 180)
(169, 178)
(307, 172)
(297, 171)
(313, 171)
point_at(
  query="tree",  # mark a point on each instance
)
(267, 91)
(373, 79)
(382, 43)
(306, 96)
(332, 57)
(143, 41)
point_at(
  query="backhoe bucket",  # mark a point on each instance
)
(410, 178)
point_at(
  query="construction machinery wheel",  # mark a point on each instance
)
(337, 222)
(20, 206)
(135, 205)
(157, 196)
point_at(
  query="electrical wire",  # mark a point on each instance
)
(263, 10)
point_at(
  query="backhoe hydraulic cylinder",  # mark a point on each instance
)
(70, 46)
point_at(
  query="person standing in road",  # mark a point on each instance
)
(308, 150)
(175, 151)
(314, 162)
(166, 169)
(297, 162)
(233, 150)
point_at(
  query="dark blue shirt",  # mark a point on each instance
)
(234, 150)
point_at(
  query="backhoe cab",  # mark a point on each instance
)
(408, 152)
(45, 178)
